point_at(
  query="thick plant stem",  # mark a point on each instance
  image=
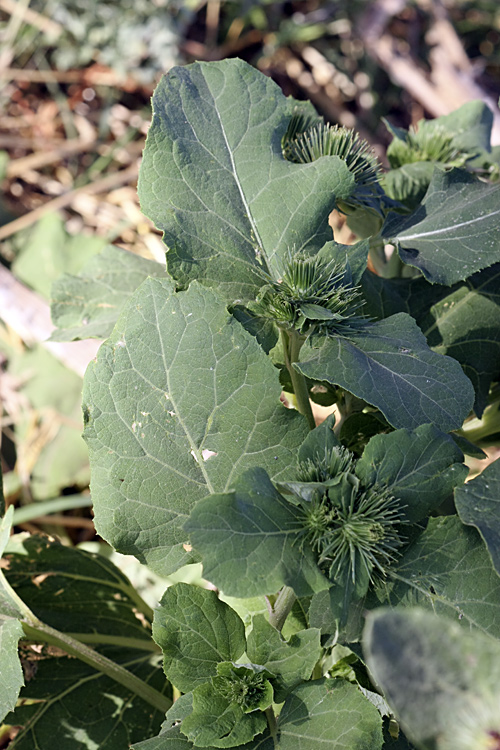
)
(292, 344)
(272, 724)
(45, 634)
(282, 607)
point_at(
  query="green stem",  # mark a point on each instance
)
(141, 644)
(38, 631)
(477, 430)
(282, 607)
(272, 724)
(45, 634)
(292, 344)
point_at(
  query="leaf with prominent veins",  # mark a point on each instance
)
(180, 401)
(454, 232)
(214, 179)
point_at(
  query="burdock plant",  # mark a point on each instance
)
(194, 455)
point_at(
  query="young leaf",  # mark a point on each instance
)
(441, 681)
(88, 305)
(455, 231)
(389, 365)
(196, 631)
(218, 722)
(180, 401)
(478, 504)
(329, 713)
(248, 540)
(421, 467)
(290, 661)
(214, 179)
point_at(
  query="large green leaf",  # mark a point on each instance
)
(389, 365)
(88, 305)
(86, 596)
(249, 540)
(196, 631)
(329, 714)
(214, 179)
(462, 322)
(447, 570)
(180, 401)
(422, 467)
(77, 592)
(442, 682)
(455, 231)
(478, 504)
(291, 661)
(82, 708)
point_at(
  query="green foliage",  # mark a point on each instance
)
(301, 530)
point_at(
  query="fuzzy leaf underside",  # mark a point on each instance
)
(455, 232)
(438, 678)
(389, 365)
(329, 713)
(180, 401)
(248, 540)
(462, 322)
(420, 467)
(88, 305)
(214, 180)
(196, 631)
(478, 504)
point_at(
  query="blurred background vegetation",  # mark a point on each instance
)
(76, 77)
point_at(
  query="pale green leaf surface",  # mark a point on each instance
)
(421, 467)
(88, 305)
(435, 676)
(213, 178)
(215, 722)
(61, 461)
(248, 540)
(447, 570)
(329, 714)
(180, 401)
(291, 661)
(389, 365)
(196, 631)
(51, 251)
(12, 680)
(478, 504)
(454, 232)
